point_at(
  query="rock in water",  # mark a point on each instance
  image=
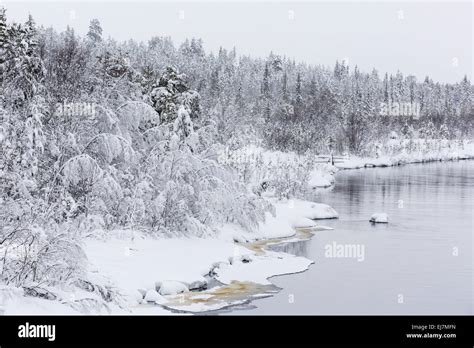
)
(379, 218)
(319, 211)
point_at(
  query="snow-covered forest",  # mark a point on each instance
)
(98, 135)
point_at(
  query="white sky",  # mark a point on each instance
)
(419, 38)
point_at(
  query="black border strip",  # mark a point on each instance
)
(242, 330)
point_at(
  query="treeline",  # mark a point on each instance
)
(274, 100)
(295, 106)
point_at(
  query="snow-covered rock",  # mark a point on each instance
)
(139, 294)
(317, 211)
(198, 285)
(246, 259)
(153, 296)
(171, 287)
(379, 218)
(242, 258)
(142, 292)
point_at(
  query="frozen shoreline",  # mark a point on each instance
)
(447, 152)
(237, 260)
(138, 267)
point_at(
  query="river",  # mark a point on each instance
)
(419, 263)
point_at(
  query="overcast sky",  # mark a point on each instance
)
(419, 38)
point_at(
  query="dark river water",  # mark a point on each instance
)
(419, 263)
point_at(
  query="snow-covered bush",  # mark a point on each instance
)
(187, 191)
(284, 174)
(33, 251)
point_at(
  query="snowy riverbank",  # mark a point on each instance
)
(311, 171)
(150, 276)
(181, 273)
(427, 151)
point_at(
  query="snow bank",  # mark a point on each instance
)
(359, 162)
(263, 267)
(142, 262)
(13, 301)
(172, 265)
(163, 268)
(424, 151)
(291, 214)
(319, 177)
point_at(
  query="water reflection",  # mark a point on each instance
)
(294, 248)
(423, 254)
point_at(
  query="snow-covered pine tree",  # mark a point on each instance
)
(95, 31)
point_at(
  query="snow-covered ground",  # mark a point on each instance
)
(137, 264)
(154, 275)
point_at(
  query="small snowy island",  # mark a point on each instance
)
(381, 218)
